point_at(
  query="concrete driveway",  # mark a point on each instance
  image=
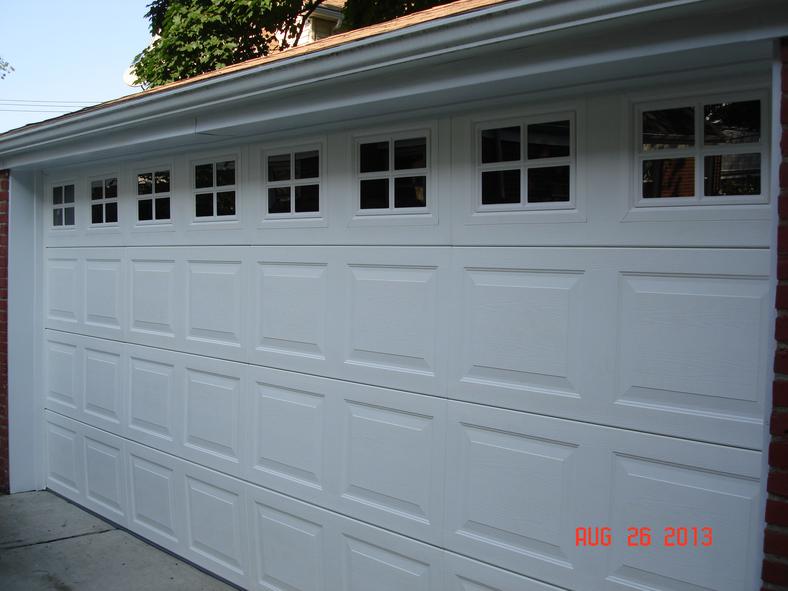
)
(48, 543)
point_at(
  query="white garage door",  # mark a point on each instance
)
(423, 356)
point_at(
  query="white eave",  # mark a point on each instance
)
(520, 45)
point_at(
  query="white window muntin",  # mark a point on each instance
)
(193, 164)
(292, 183)
(153, 195)
(700, 151)
(392, 174)
(62, 205)
(524, 164)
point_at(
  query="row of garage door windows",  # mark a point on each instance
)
(523, 164)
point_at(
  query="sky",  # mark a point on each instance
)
(66, 51)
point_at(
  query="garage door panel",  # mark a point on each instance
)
(105, 476)
(464, 574)
(64, 289)
(64, 460)
(154, 298)
(394, 320)
(63, 377)
(154, 379)
(103, 385)
(104, 292)
(153, 502)
(671, 341)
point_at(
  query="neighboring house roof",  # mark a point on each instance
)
(430, 14)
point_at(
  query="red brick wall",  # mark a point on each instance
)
(775, 547)
(4, 481)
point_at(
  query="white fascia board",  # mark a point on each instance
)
(527, 21)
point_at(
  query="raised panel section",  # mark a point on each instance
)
(214, 303)
(214, 525)
(291, 304)
(63, 468)
(102, 385)
(151, 398)
(104, 477)
(289, 551)
(288, 433)
(369, 566)
(692, 342)
(661, 494)
(103, 293)
(61, 373)
(464, 574)
(153, 498)
(153, 298)
(392, 312)
(63, 292)
(521, 329)
(212, 414)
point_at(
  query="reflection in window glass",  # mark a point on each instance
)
(203, 176)
(162, 181)
(375, 194)
(57, 195)
(68, 216)
(279, 167)
(62, 205)
(225, 173)
(97, 214)
(225, 203)
(307, 165)
(548, 184)
(669, 128)
(410, 191)
(669, 177)
(110, 188)
(732, 123)
(374, 157)
(307, 198)
(145, 184)
(156, 187)
(732, 174)
(145, 210)
(110, 213)
(57, 217)
(163, 208)
(68, 194)
(279, 200)
(501, 145)
(410, 153)
(548, 140)
(203, 205)
(97, 190)
(500, 187)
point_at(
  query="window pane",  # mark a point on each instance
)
(68, 194)
(279, 167)
(548, 140)
(163, 208)
(375, 194)
(110, 188)
(732, 123)
(279, 200)
(97, 214)
(374, 157)
(68, 213)
(501, 145)
(549, 184)
(500, 186)
(307, 198)
(57, 217)
(307, 165)
(111, 213)
(145, 210)
(732, 174)
(145, 183)
(203, 205)
(410, 153)
(203, 176)
(225, 203)
(97, 190)
(669, 128)
(673, 177)
(163, 181)
(57, 195)
(410, 191)
(225, 174)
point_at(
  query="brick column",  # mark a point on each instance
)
(4, 478)
(775, 547)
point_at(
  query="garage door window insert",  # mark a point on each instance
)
(392, 174)
(104, 201)
(293, 183)
(63, 206)
(704, 152)
(526, 164)
(153, 196)
(214, 184)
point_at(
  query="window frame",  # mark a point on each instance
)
(139, 170)
(699, 151)
(104, 200)
(524, 164)
(61, 206)
(391, 174)
(214, 189)
(292, 182)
